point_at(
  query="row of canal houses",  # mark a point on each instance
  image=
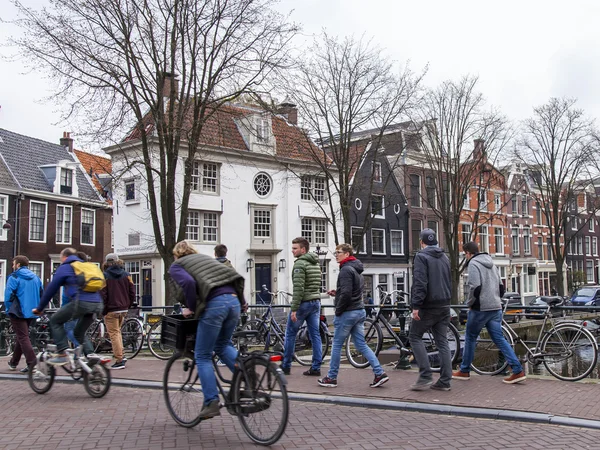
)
(255, 188)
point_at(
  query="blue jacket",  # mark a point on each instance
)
(28, 287)
(432, 287)
(65, 276)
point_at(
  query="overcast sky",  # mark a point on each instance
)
(524, 52)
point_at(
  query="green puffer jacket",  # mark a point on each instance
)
(306, 277)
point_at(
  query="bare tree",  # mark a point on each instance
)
(559, 150)
(341, 87)
(160, 69)
(447, 122)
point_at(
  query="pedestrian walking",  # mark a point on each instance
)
(306, 306)
(118, 296)
(430, 298)
(22, 294)
(221, 255)
(350, 317)
(214, 294)
(485, 310)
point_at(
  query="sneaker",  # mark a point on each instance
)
(11, 366)
(24, 370)
(421, 385)
(124, 359)
(327, 382)
(59, 360)
(118, 365)
(458, 375)
(286, 370)
(515, 378)
(312, 373)
(211, 410)
(379, 380)
(439, 387)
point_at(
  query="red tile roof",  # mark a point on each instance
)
(94, 164)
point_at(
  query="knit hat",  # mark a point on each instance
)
(111, 257)
(428, 237)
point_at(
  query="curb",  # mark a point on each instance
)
(429, 408)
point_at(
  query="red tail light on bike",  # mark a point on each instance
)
(322, 318)
(275, 358)
(585, 323)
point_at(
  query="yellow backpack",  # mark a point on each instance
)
(89, 276)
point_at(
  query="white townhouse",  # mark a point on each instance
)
(254, 189)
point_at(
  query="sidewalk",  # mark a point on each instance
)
(535, 395)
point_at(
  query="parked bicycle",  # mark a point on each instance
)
(257, 393)
(398, 340)
(132, 332)
(567, 349)
(39, 332)
(93, 370)
(272, 335)
(154, 331)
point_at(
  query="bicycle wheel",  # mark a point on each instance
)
(433, 352)
(373, 338)
(41, 377)
(569, 352)
(303, 352)
(10, 339)
(488, 359)
(260, 401)
(155, 345)
(181, 389)
(95, 333)
(97, 383)
(133, 337)
(258, 342)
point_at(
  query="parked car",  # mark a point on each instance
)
(544, 301)
(584, 295)
(514, 298)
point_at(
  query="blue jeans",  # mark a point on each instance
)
(69, 328)
(492, 320)
(351, 323)
(215, 328)
(311, 313)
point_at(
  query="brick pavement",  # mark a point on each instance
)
(67, 418)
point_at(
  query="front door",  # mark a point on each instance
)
(262, 277)
(146, 289)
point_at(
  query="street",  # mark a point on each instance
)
(67, 418)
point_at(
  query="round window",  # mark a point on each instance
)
(262, 184)
(397, 208)
(357, 204)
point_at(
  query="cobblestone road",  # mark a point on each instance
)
(67, 418)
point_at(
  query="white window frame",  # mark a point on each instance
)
(401, 242)
(66, 171)
(526, 241)
(200, 226)
(515, 248)
(501, 236)
(588, 279)
(381, 214)
(573, 223)
(463, 233)
(497, 202)
(482, 193)
(43, 240)
(514, 205)
(136, 192)
(384, 246)
(261, 125)
(591, 225)
(580, 245)
(130, 235)
(93, 243)
(419, 193)
(525, 201)
(588, 246)
(376, 171)
(4, 200)
(313, 222)
(198, 177)
(363, 248)
(484, 234)
(38, 263)
(70, 209)
(595, 245)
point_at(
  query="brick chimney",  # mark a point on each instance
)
(66, 141)
(168, 79)
(289, 111)
(479, 151)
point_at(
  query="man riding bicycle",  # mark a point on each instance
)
(82, 306)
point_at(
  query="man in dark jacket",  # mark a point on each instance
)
(87, 304)
(306, 306)
(430, 297)
(118, 296)
(350, 317)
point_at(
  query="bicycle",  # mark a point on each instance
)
(154, 331)
(567, 350)
(257, 393)
(96, 377)
(39, 332)
(272, 334)
(375, 340)
(132, 332)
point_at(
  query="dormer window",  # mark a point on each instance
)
(66, 181)
(262, 129)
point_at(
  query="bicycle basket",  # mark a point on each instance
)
(176, 331)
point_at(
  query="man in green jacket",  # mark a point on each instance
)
(306, 306)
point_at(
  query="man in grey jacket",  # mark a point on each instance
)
(430, 299)
(485, 310)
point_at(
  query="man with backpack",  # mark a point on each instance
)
(82, 289)
(118, 295)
